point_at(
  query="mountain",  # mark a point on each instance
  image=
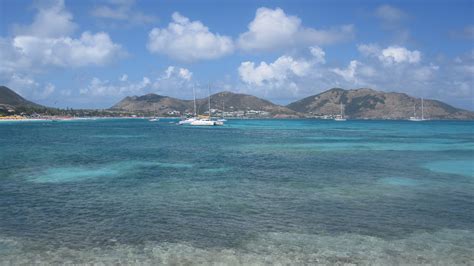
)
(231, 102)
(152, 103)
(234, 102)
(371, 104)
(11, 100)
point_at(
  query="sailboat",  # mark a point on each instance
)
(416, 118)
(155, 118)
(222, 119)
(207, 120)
(341, 116)
(189, 120)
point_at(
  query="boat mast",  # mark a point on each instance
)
(194, 95)
(209, 98)
(422, 113)
(341, 110)
(222, 109)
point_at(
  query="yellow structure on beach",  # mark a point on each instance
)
(12, 117)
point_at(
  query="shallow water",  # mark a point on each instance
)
(253, 191)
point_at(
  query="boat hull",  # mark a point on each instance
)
(203, 123)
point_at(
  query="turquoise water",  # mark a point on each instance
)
(250, 192)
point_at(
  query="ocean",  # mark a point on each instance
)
(262, 192)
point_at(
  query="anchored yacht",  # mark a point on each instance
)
(341, 116)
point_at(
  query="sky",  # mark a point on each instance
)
(91, 54)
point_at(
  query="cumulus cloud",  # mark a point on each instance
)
(356, 73)
(273, 29)
(169, 82)
(187, 40)
(280, 70)
(122, 10)
(182, 73)
(392, 68)
(392, 54)
(46, 42)
(175, 81)
(51, 21)
(318, 53)
(89, 49)
(396, 54)
(348, 73)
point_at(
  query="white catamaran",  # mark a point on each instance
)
(341, 116)
(207, 120)
(222, 119)
(417, 118)
(189, 120)
(154, 118)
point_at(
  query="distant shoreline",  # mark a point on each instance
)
(63, 119)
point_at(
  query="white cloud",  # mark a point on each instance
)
(390, 55)
(22, 84)
(51, 21)
(390, 14)
(369, 49)
(187, 40)
(393, 68)
(273, 29)
(169, 82)
(318, 53)
(348, 73)
(457, 80)
(175, 72)
(89, 49)
(175, 81)
(185, 73)
(122, 11)
(397, 54)
(98, 87)
(425, 73)
(278, 71)
(124, 77)
(46, 42)
(29, 88)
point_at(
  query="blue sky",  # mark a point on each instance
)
(93, 53)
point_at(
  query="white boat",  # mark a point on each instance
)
(222, 119)
(204, 122)
(207, 121)
(189, 120)
(341, 116)
(155, 118)
(415, 118)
